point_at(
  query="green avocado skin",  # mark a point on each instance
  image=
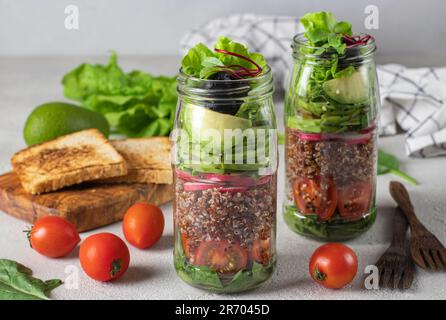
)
(54, 119)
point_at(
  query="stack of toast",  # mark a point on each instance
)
(85, 165)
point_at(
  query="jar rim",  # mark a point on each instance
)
(266, 72)
(299, 40)
(247, 88)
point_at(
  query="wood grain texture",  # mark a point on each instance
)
(88, 206)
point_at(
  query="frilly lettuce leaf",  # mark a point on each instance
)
(200, 61)
(136, 104)
(322, 29)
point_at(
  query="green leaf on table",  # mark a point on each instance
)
(388, 163)
(17, 283)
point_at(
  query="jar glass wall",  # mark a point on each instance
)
(331, 111)
(225, 166)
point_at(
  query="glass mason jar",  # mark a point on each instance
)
(331, 110)
(225, 164)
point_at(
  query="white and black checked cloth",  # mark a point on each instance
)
(413, 99)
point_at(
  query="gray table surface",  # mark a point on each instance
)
(28, 81)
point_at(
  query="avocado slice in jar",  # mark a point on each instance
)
(200, 120)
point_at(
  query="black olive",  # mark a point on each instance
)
(350, 53)
(230, 106)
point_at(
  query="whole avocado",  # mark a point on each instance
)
(54, 119)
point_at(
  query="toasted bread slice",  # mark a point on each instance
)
(148, 160)
(78, 157)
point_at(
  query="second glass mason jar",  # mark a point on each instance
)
(331, 111)
(225, 164)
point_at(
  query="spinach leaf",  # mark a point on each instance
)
(17, 283)
(388, 163)
(336, 229)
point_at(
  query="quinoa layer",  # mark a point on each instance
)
(214, 215)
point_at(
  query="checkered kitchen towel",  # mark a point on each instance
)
(413, 99)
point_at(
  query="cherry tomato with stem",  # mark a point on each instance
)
(104, 257)
(53, 236)
(333, 265)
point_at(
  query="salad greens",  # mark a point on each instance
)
(204, 276)
(330, 94)
(136, 104)
(322, 30)
(202, 62)
(17, 283)
(230, 60)
(335, 230)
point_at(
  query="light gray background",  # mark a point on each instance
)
(408, 28)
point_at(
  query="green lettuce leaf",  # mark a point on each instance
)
(321, 29)
(136, 104)
(193, 61)
(227, 44)
(201, 62)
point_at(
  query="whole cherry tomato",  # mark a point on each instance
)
(333, 265)
(143, 225)
(104, 257)
(53, 236)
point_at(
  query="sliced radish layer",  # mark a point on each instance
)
(196, 186)
(236, 179)
(183, 175)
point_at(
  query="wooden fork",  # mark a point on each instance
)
(396, 267)
(427, 251)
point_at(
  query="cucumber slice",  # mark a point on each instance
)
(352, 89)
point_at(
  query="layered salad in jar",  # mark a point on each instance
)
(330, 120)
(225, 163)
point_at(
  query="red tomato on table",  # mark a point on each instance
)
(104, 257)
(143, 225)
(333, 265)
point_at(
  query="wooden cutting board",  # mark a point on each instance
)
(87, 206)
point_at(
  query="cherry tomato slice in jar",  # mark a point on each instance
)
(221, 256)
(315, 196)
(354, 199)
(261, 251)
(185, 243)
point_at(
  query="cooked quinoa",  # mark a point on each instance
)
(216, 215)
